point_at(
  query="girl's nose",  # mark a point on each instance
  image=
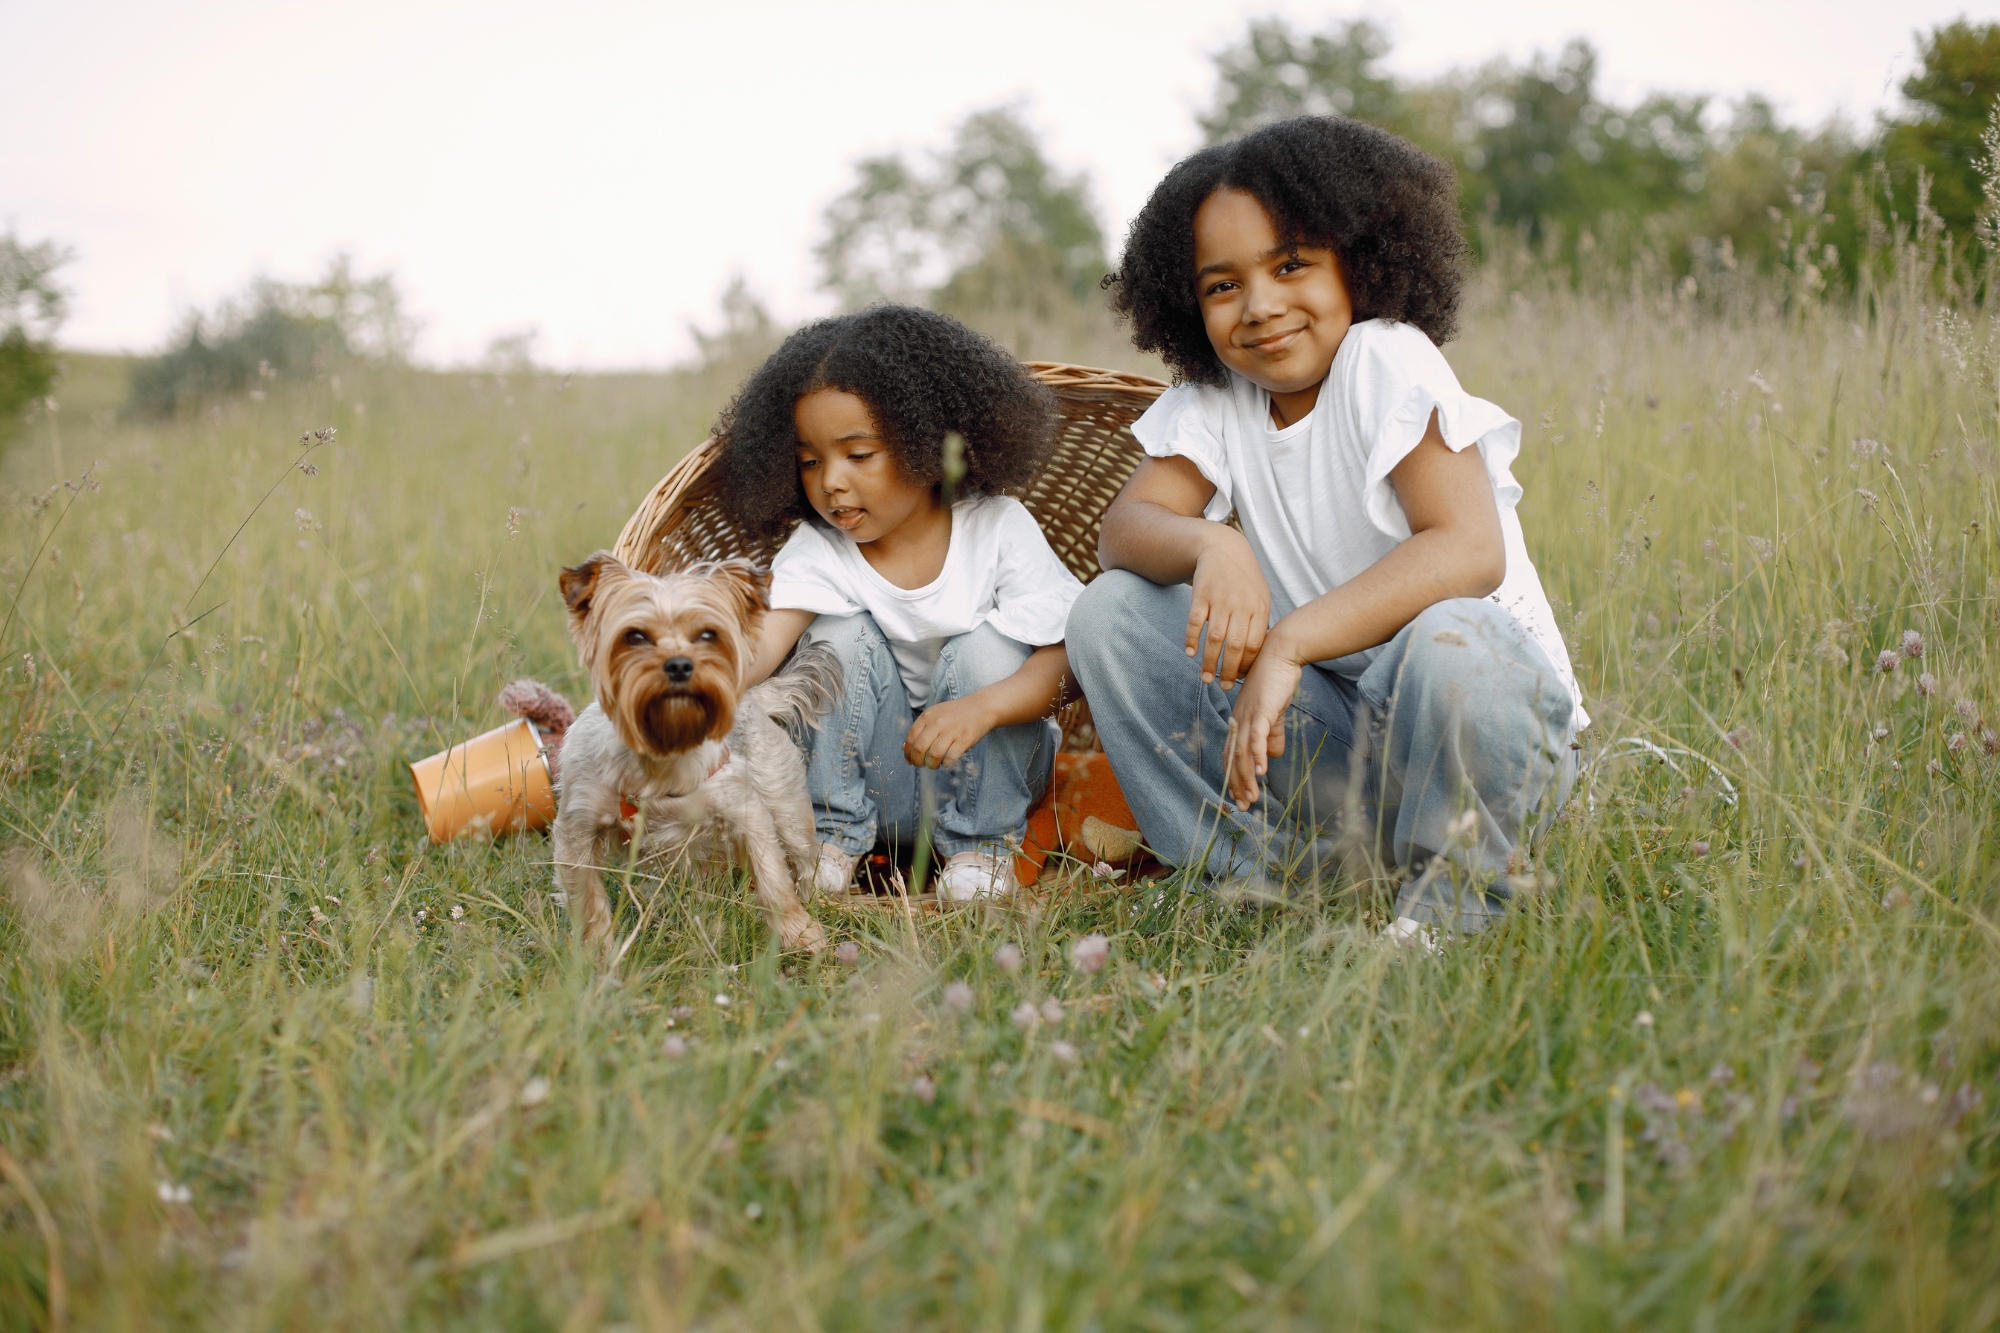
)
(1263, 302)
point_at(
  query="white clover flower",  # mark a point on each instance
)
(674, 1047)
(1913, 644)
(534, 1092)
(1887, 661)
(753, 1210)
(923, 1089)
(1052, 1010)
(1927, 684)
(1699, 847)
(1008, 957)
(1089, 954)
(848, 952)
(958, 996)
(722, 1001)
(1064, 1052)
(174, 1192)
(1026, 1017)
(1645, 1018)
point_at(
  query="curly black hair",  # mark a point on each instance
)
(922, 374)
(1387, 209)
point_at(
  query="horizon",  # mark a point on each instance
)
(405, 140)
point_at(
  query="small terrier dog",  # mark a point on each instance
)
(675, 750)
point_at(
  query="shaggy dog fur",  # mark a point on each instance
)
(674, 751)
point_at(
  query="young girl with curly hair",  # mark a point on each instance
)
(948, 617)
(1403, 685)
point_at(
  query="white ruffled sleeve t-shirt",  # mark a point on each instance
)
(1315, 500)
(999, 570)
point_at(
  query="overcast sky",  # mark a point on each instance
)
(599, 171)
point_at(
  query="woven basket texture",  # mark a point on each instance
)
(682, 519)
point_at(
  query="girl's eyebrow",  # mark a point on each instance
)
(1219, 265)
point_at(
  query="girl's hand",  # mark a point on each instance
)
(1257, 723)
(1233, 601)
(943, 732)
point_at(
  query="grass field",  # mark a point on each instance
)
(268, 1060)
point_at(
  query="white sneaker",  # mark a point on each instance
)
(977, 874)
(835, 870)
(1409, 933)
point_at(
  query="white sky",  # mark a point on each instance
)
(599, 171)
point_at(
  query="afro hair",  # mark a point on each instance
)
(1387, 209)
(921, 374)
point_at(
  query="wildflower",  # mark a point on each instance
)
(1737, 738)
(1927, 684)
(848, 952)
(1935, 768)
(958, 996)
(533, 1093)
(923, 1089)
(171, 1192)
(753, 1210)
(1089, 953)
(1880, 734)
(1052, 1010)
(1913, 644)
(1893, 899)
(1699, 847)
(674, 1047)
(1026, 1016)
(423, 915)
(1868, 499)
(721, 1001)
(1008, 957)
(1645, 1018)
(1956, 742)
(1966, 709)
(1104, 870)
(682, 1012)
(458, 911)
(1887, 661)
(1721, 1076)
(1989, 742)
(1064, 1052)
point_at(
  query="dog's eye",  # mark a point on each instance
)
(636, 638)
(706, 636)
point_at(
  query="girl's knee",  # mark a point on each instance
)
(974, 660)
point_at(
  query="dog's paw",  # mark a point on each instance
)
(806, 934)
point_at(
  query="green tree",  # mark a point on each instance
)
(275, 331)
(32, 307)
(1275, 74)
(1951, 99)
(989, 222)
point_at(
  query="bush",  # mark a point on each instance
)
(31, 308)
(275, 331)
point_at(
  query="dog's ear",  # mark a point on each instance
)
(579, 583)
(750, 582)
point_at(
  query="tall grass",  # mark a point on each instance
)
(268, 1060)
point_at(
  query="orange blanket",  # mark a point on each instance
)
(1083, 814)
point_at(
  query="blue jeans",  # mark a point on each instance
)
(863, 788)
(1446, 758)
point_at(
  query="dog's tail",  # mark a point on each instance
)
(801, 692)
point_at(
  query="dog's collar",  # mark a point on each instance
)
(629, 809)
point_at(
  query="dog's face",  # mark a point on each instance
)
(667, 654)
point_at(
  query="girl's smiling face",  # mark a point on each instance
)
(1275, 313)
(849, 471)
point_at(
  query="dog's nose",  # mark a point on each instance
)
(680, 670)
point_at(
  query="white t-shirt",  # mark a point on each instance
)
(1315, 498)
(998, 571)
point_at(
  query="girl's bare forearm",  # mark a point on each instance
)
(1032, 693)
(1154, 542)
(782, 630)
(1372, 608)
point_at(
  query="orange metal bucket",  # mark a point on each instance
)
(494, 783)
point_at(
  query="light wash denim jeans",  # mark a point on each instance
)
(1446, 758)
(862, 787)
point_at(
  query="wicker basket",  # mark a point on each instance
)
(683, 519)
